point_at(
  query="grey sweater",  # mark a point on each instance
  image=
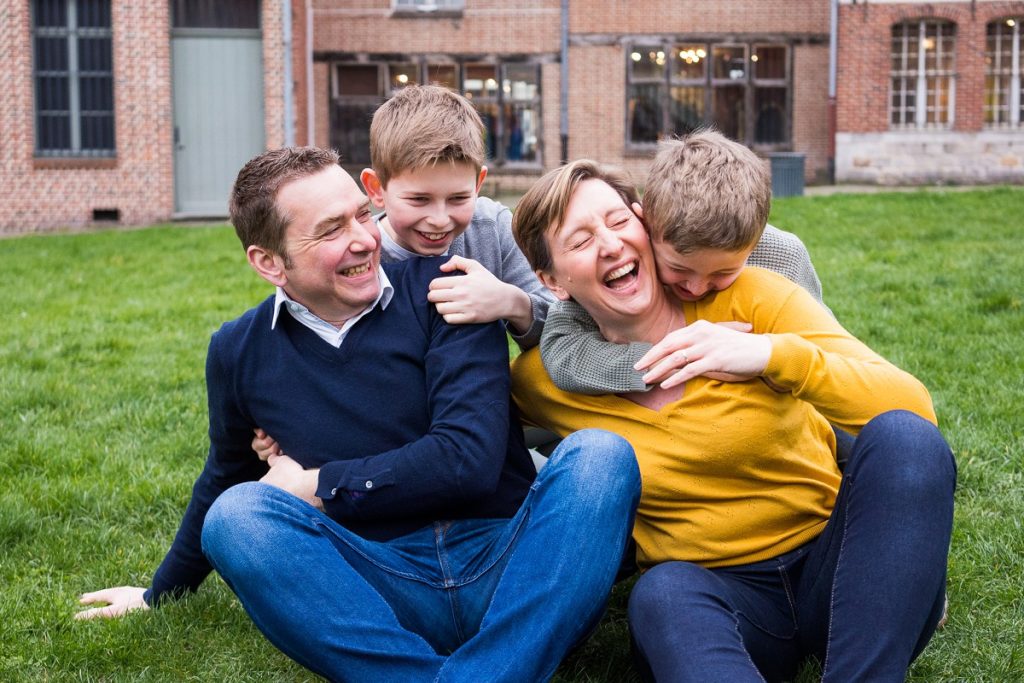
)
(488, 240)
(580, 360)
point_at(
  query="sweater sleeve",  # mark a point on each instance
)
(784, 253)
(579, 360)
(818, 361)
(515, 270)
(230, 461)
(461, 456)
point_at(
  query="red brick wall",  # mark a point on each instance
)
(865, 31)
(485, 26)
(52, 194)
(701, 16)
(41, 195)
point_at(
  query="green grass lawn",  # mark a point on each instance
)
(103, 421)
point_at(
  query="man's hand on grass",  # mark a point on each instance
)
(120, 601)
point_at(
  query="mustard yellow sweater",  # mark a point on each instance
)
(736, 472)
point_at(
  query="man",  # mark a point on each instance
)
(406, 535)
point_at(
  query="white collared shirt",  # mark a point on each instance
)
(323, 329)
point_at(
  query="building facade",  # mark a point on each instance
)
(133, 112)
(930, 92)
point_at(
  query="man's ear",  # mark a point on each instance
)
(372, 185)
(269, 265)
(551, 282)
(480, 178)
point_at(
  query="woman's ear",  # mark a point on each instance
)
(269, 265)
(551, 282)
(372, 185)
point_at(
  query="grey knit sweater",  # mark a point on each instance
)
(488, 239)
(580, 360)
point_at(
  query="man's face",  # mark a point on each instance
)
(428, 207)
(693, 276)
(601, 256)
(332, 244)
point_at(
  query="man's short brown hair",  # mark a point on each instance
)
(544, 205)
(423, 125)
(253, 203)
(705, 191)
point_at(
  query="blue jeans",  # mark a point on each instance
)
(464, 600)
(864, 596)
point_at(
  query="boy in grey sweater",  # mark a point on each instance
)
(427, 153)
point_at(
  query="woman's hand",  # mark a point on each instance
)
(722, 351)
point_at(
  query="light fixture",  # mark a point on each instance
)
(403, 79)
(753, 58)
(635, 56)
(1011, 22)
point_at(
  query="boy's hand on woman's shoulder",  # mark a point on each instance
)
(478, 296)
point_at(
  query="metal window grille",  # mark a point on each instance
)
(507, 95)
(74, 78)
(1003, 78)
(743, 89)
(922, 79)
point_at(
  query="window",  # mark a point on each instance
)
(74, 78)
(505, 94)
(923, 70)
(1004, 80)
(444, 6)
(234, 14)
(740, 88)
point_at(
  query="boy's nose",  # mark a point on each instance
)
(437, 217)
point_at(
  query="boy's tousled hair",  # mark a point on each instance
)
(544, 205)
(253, 202)
(705, 191)
(423, 125)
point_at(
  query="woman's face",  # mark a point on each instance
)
(601, 256)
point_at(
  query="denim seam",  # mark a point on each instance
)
(832, 594)
(374, 562)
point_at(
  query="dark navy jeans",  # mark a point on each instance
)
(864, 597)
(465, 600)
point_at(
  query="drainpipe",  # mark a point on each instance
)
(564, 94)
(310, 100)
(833, 50)
(289, 115)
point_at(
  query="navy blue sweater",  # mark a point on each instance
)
(418, 408)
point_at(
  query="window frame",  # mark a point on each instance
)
(424, 64)
(914, 67)
(70, 33)
(1012, 75)
(670, 80)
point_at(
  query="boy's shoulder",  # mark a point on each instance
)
(487, 209)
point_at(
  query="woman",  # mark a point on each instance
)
(756, 552)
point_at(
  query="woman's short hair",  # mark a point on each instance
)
(544, 205)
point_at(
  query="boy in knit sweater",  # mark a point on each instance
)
(702, 241)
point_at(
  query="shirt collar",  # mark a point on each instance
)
(324, 329)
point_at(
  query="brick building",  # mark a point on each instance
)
(930, 92)
(140, 111)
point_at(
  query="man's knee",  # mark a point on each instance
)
(234, 519)
(599, 462)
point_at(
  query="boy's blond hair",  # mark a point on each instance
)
(423, 125)
(705, 191)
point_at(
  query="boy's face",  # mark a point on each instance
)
(427, 207)
(693, 276)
